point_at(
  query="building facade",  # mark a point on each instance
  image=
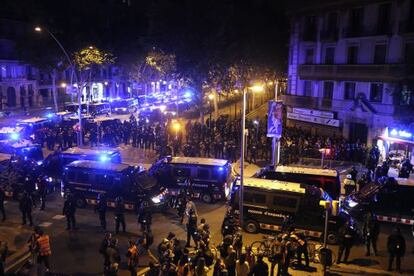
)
(350, 67)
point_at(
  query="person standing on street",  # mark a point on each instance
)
(25, 206)
(260, 268)
(353, 173)
(101, 209)
(371, 232)
(132, 258)
(2, 197)
(346, 240)
(44, 251)
(396, 248)
(42, 188)
(119, 214)
(114, 258)
(69, 210)
(191, 228)
(144, 217)
(106, 242)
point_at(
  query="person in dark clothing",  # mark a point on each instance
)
(396, 248)
(191, 227)
(260, 268)
(2, 197)
(101, 209)
(103, 249)
(353, 173)
(406, 169)
(119, 214)
(42, 189)
(25, 206)
(145, 218)
(69, 210)
(346, 240)
(371, 232)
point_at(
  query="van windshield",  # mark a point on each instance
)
(143, 180)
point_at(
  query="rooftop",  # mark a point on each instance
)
(199, 161)
(306, 170)
(96, 165)
(33, 120)
(90, 151)
(272, 185)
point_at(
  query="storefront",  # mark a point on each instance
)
(397, 144)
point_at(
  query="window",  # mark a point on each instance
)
(83, 177)
(309, 56)
(376, 92)
(383, 21)
(349, 93)
(203, 173)
(330, 55)
(286, 202)
(379, 53)
(254, 198)
(409, 53)
(307, 88)
(355, 20)
(328, 90)
(182, 172)
(352, 54)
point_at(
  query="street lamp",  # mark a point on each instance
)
(211, 98)
(255, 89)
(39, 30)
(176, 127)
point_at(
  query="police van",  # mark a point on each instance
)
(206, 178)
(327, 179)
(86, 179)
(54, 163)
(390, 199)
(268, 203)
(24, 149)
(123, 106)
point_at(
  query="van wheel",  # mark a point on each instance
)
(251, 227)
(80, 202)
(207, 198)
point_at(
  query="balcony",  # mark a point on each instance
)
(365, 31)
(357, 72)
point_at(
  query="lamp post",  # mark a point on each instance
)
(211, 98)
(254, 89)
(39, 30)
(276, 141)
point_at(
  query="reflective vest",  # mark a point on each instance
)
(44, 245)
(133, 256)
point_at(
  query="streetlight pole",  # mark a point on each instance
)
(39, 29)
(276, 141)
(243, 138)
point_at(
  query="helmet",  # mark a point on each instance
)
(348, 176)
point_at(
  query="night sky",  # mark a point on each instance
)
(217, 31)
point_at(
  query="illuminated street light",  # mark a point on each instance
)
(211, 96)
(257, 88)
(91, 47)
(38, 29)
(63, 85)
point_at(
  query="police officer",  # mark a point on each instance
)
(396, 248)
(191, 227)
(101, 209)
(353, 173)
(346, 240)
(302, 248)
(349, 185)
(371, 232)
(144, 217)
(119, 214)
(42, 189)
(69, 210)
(2, 197)
(25, 206)
(406, 169)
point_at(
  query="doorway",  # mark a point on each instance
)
(358, 133)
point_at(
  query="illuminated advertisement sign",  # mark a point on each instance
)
(400, 134)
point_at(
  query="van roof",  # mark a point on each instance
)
(4, 156)
(199, 161)
(272, 185)
(96, 165)
(64, 113)
(19, 143)
(307, 170)
(33, 120)
(5, 130)
(90, 151)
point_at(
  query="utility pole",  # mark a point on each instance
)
(276, 141)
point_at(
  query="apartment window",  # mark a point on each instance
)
(380, 53)
(356, 19)
(352, 54)
(409, 53)
(307, 88)
(349, 93)
(375, 94)
(328, 90)
(330, 55)
(332, 21)
(309, 31)
(309, 56)
(383, 22)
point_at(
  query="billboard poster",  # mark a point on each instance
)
(274, 119)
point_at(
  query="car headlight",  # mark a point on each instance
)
(49, 179)
(157, 199)
(39, 163)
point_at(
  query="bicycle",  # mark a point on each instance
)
(263, 246)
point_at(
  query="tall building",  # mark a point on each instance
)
(351, 67)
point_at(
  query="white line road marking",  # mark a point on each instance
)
(45, 224)
(58, 217)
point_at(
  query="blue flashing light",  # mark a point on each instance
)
(39, 163)
(14, 136)
(188, 94)
(103, 158)
(394, 132)
(220, 169)
(49, 115)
